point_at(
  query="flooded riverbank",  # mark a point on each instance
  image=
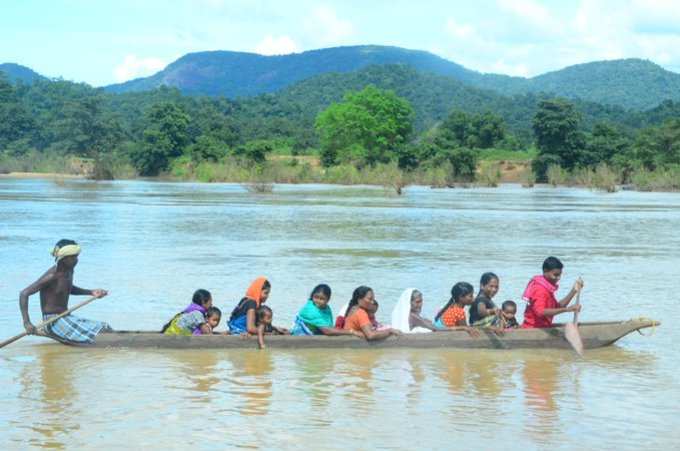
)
(151, 244)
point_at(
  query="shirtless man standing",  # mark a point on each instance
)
(55, 287)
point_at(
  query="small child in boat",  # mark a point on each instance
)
(192, 317)
(263, 321)
(372, 310)
(507, 315)
(212, 319)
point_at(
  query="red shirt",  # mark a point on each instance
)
(540, 295)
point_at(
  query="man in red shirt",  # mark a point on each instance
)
(542, 305)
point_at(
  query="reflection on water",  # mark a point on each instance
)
(251, 379)
(153, 244)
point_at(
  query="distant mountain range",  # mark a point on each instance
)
(629, 83)
(17, 72)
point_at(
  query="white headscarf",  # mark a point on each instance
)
(402, 313)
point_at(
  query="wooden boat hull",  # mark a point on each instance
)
(594, 335)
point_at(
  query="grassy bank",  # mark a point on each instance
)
(611, 179)
(495, 166)
(106, 168)
(305, 170)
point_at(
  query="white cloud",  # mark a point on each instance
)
(276, 45)
(328, 28)
(502, 67)
(134, 67)
(459, 30)
(527, 38)
(530, 11)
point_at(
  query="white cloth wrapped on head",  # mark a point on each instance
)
(65, 251)
(402, 313)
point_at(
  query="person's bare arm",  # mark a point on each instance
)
(578, 285)
(97, 292)
(250, 323)
(417, 321)
(334, 332)
(36, 286)
(557, 311)
(260, 336)
(280, 330)
(371, 334)
(484, 312)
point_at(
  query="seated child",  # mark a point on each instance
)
(192, 317)
(372, 310)
(263, 321)
(212, 320)
(507, 315)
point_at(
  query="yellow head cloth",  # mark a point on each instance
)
(60, 252)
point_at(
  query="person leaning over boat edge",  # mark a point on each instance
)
(263, 321)
(539, 294)
(55, 287)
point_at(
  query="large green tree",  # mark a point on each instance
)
(368, 127)
(558, 137)
(658, 146)
(165, 138)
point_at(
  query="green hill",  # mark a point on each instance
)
(239, 74)
(17, 72)
(432, 97)
(630, 83)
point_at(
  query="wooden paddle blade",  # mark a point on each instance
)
(573, 336)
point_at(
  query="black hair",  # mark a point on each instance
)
(509, 304)
(486, 278)
(415, 293)
(266, 285)
(64, 242)
(259, 313)
(213, 311)
(201, 296)
(551, 263)
(457, 291)
(359, 293)
(323, 289)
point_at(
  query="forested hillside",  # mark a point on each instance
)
(18, 73)
(630, 83)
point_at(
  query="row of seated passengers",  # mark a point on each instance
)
(252, 317)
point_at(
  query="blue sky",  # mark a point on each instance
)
(102, 42)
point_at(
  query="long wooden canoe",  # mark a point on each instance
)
(594, 335)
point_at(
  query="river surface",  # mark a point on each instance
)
(151, 244)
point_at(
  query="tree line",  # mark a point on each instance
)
(365, 127)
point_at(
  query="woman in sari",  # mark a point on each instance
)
(316, 317)
(406, 316)
(243, 317)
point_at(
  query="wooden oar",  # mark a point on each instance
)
(571, 332)
(48, 322)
